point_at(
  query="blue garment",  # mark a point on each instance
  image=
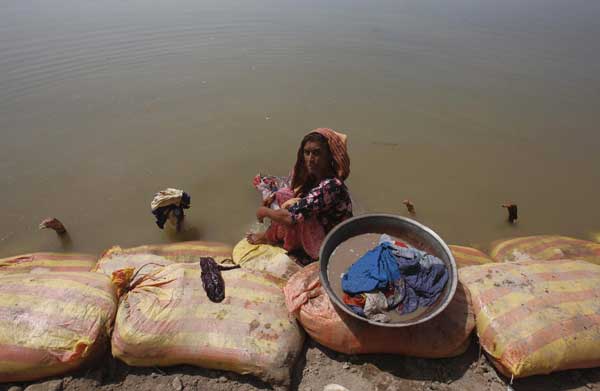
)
(374, 270)
(424, 284)
(357, 310)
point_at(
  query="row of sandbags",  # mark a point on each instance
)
(149, 304)
(534, 311)
(56, 314)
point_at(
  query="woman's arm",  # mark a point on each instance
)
(320, 199)
(281, 216)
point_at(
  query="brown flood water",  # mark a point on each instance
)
(458, 106)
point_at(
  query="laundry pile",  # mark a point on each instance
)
(393, 277)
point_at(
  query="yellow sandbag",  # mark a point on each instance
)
(537, 317)
(168, 320)
(264, 258)
(468, 256)
(116, 259)
(546, 247)
(47, 262)
(146, 260)
(53, 322)
(181, 251)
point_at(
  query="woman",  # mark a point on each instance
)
(317, 199)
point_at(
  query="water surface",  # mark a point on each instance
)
(459, 106)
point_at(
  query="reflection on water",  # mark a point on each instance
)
(458, 106)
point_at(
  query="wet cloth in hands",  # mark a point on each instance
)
(425, 277)
(377, 269)
(268, 185)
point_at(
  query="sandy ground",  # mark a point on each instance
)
(318, 367)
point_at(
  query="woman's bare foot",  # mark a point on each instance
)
(256, 238)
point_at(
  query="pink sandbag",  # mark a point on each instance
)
(446, 335)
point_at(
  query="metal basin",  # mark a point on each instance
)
(410, 231)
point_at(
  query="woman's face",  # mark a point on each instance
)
(316, 158)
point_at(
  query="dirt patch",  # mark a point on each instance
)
(320, 366)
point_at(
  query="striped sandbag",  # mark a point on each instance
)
(468, 256)
(142, 263)
(537, 317)
(167, 319)
(546, 247)
(51, 323)
(47, 262)
(180, 252)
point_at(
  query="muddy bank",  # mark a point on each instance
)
(318, 367)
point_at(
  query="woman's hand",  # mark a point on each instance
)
(262, 212)
(290, 202)
(269, 200)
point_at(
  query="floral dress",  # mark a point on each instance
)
(329, 202)
(325, 206)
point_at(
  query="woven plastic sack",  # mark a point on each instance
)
(265, 258)
(167, 319)
(545, 247)
(446, 335)
(47, 262)
(52, 323)
(468, 256)
(537, 317)
(179, 252)
(116, 259)
(126, 266)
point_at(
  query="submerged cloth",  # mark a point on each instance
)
(339, 152)
(408, 278)
(372, 306)
(169, 203)
(377, 269)
(376, 307)
(425, 277)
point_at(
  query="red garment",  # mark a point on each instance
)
(356, 300)
(400, 244)
(307, 234)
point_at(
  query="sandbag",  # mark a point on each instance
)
(265, 258)
(181, 252)
(47, 262)
(468, 256)
(168, 319)
(537, 317)
(446, 335)
(53, 322)
(126, 266)
(116, 259)
(545, 247)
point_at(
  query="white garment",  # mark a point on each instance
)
(376, 306)
(166, 197)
